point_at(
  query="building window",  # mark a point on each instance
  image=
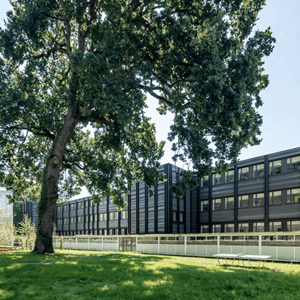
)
(243, 227)
(216, 228)
(204, 229)
(117, 231)
(293, 225)
(174, 216)
(229, 203)
(275, 167)
(95, 218)
(217, 204)
(229, 176)
(111, 199)
(111, 216)
(244, 201)
(100, 217)
(66, 208)
(205, 205)
(293, 163)
(258, 171)
(80, 220)
(216, 179)
(293, 196)
(105, 217)
(58, 209)
(104, 200)
(180, 217)
(116, 215)
(105, 232)
(110, 232)
(229, 227)
(91, 218)
(244, 173)
(205, 181)
(258, 199)
(258, 227)
(275, 198)
(66, 221)
(80, 205)
(275, 226)
(124, 214)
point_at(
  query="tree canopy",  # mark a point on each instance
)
(73, 83)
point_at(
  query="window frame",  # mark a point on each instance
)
(241, 173)
(272, 197)
(255, 171)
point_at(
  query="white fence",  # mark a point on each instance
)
(281, 246)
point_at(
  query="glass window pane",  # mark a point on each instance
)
(204, 229)
(243, 173)
(258, 200)
(229, 227)
(275, 167)
(258, 171)
(229, 203)
(217, 204)
(294, 163)
(243, 227)
(204, 205)
(216, 228)
(244, 201)
(275, 198)
(293, 196)
(216, 179)
(258, 227)
(205, 181)
(275, 226)
(229, 176)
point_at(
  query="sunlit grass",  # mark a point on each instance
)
(109, 275)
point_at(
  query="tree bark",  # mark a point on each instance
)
(49, 193)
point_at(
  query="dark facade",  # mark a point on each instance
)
(160, 213)
(30, 208)
(258, 194)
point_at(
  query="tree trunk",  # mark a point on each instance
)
(49, 193)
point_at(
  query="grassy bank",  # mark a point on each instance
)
(107, 275)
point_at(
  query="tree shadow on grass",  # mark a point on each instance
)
(110, 275)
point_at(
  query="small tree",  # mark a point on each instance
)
(28, 232)
(7, 232)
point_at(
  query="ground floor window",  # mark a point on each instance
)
(216, 228)
(243, 227)
(293, 225)
(275, 226)
(259, 227)
(229, 227)
(204, 228)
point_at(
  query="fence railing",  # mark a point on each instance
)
(281, 246)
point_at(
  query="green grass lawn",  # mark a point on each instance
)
(110, 275)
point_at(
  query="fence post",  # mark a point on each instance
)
(259, 245)
(158, 248)
(184, 245)
(218, 243)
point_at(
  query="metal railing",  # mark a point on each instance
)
(280, 245)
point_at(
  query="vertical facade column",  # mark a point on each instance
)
(197, 208)
(76, 216)
(146, 209)
(210, 203)
(266, 165)
(129, 212)
(236, 200)
(107, 215)
(155, 206)
(137, 208)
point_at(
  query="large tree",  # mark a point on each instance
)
(73, 81)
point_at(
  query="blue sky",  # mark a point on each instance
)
(281, 109)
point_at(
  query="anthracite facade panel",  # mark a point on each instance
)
(264, 192)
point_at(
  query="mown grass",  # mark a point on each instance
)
(109, 275)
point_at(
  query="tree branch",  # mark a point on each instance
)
(161, 98)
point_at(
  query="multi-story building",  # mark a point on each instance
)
(257, 194)
(30, 208)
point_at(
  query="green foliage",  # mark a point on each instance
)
(27, 231)
(86, 66)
